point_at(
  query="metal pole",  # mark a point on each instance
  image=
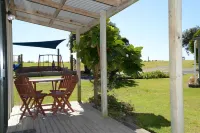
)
(176, 74)
(195, 79)
(103, 62)
(78, 66)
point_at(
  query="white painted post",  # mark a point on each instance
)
(78, 66)
(103, 62)
(9, 63)
(175, 56)
(195, 79)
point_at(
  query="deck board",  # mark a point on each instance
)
(85, 119)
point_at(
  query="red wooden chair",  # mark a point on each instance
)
(69, 90)
(61, 97)
(27, 93)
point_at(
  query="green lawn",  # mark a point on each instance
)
(154, 64)
(66, 64)
(150, 99)
(147, 65)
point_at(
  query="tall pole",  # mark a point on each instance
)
(103, 62)
(175, 56)
(198, 46)
(58, 58)
(3, 70)
(195, 78)
(78, 66)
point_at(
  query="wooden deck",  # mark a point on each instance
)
(85, 119)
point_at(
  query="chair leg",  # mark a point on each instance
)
(26, 107)
(22, 107)
(68, 104)
(59, 104)
(39, 106)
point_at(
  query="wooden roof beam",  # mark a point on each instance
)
(13, 5)
(110, 2)
(57, 12)
(67, 8)
(44, 15)
(45, 24)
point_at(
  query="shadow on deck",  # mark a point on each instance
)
(85, 119)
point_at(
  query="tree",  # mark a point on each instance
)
(121, 56)
(188, 39)
(188, 36)
(72, 38)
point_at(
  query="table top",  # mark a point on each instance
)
(46, 79)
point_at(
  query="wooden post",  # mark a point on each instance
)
(3, 70)
(176, 74)
(78, 66)
(21, 60)
(58, 58)
(195, 75)
(10, 66)
(103, 62)
(198, 46)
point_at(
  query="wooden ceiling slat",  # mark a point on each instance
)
(57, 11)
(44, 24)
(40, 14)
(67, 8)
(110, 2)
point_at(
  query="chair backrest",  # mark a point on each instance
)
(71, 85)
(24, 86)
(64, 84)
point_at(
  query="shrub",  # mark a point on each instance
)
(30, 61)
(116, 108)
(152, 75)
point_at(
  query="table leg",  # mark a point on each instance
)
(56, 85)
(34, 85)
(52, 85)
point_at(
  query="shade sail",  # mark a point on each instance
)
(45, 44)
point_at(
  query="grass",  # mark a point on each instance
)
(66, 64)
(147, 65)
(151, 100)
(154, 64)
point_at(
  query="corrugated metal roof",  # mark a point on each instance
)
(74, 14)
(76, 17)
(66, 25)
(88, 5)
(32, 17)
(57, 1)
(34, 6)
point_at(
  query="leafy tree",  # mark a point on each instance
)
(121, 56)
(188, 39)
(188, 36)
(72, 38)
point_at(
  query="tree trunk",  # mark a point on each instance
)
(96, 83)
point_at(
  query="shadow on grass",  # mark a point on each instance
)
(125, 83)
(124, 112)
(150, 120)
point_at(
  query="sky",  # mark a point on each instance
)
(145, 24)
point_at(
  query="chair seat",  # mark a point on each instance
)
(57, 93)
(41, 95)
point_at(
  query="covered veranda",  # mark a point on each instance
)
(79, 16)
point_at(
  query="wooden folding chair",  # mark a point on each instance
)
(69, 90)
(27, 93)
(65, 82)
(61, 97)
(23, 79)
